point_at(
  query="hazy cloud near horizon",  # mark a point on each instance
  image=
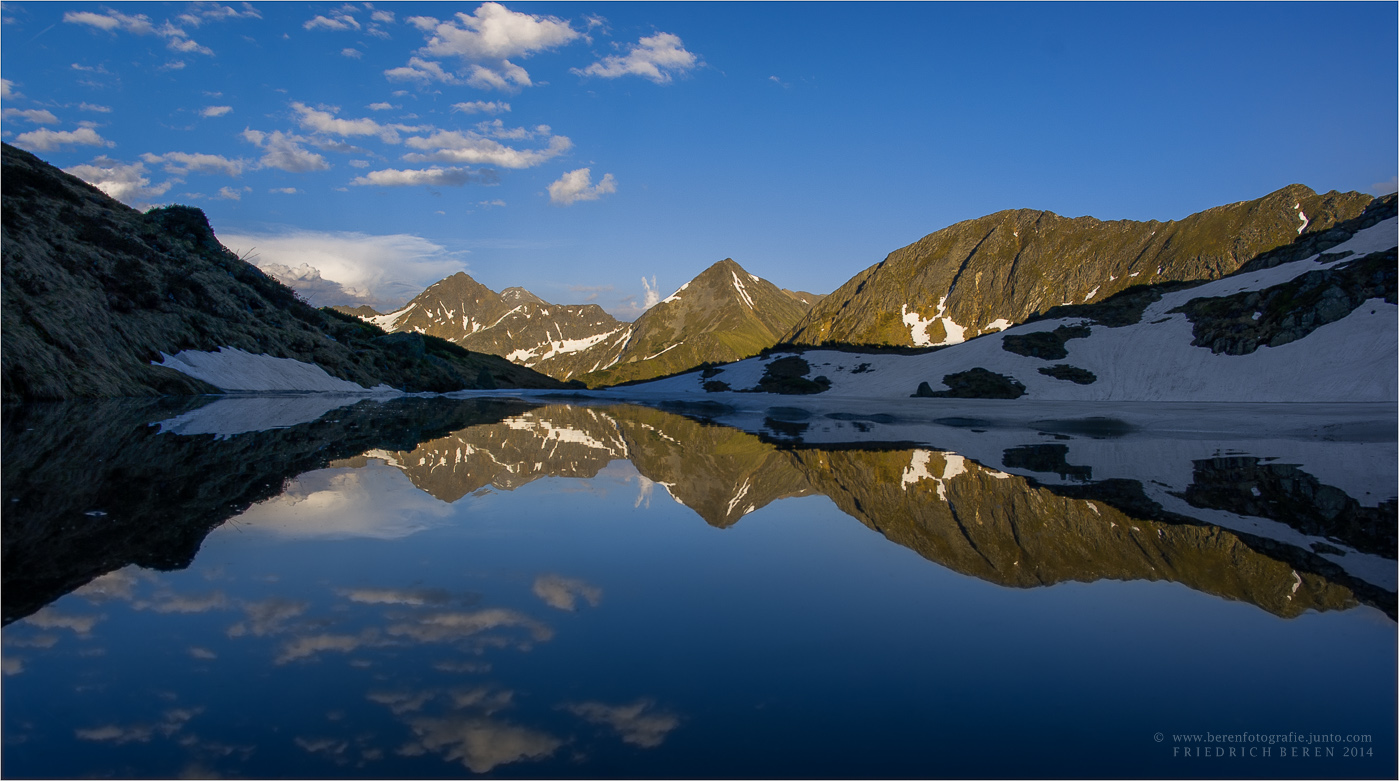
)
(342, 267)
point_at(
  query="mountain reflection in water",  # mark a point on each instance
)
(90, 489)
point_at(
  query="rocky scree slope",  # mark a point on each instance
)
(986, 274)
(93, 291)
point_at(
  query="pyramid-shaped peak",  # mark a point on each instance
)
(517, 295)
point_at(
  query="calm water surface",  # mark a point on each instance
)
(447, 588)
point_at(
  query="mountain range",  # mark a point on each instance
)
(724, 314)
(974, 277)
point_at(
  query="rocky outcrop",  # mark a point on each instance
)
(987, 274)
(93, 291)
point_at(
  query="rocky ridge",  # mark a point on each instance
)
(986, 274)
(94, 291)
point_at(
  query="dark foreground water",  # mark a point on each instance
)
(447, 588)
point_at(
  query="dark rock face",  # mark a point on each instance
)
(93, 291)
(1048, 345)
(976, 276)
(788, 376)
(975, 383)
(1241, 323)
(1074, 374)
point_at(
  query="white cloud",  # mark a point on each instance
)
(184, 162)
(283, 190)
(339, 19)
(202, 12)
(360, 163)
(382, 16)
(422, 71)
(656, 57)
(7, 90)
(126, 183)
(284, 151)
(37, 116)
(479, 744)
(139, 24)
(215, 111)
(353, 54)
(326, 122)
(506, 76)
(94, 107)
(578, 185)
(432, 177)
(45, 140)
(452, 146)
(481, 107)
(485, 39)
(331, 268)
(173, 65)
(653, 294)
(1385, 188)
(230, 194)
(381, 106)
(494, 32)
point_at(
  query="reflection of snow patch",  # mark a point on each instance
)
(742, 492)
(917, 468)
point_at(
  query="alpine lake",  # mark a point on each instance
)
(541, 587)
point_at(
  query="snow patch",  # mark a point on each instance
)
(742, 291)
(676, 295)
(918, 327)
(233, 370)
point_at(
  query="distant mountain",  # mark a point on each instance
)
(93, 291)
(515, 324)
(723, 314)
(1312, 321)
(986, 274)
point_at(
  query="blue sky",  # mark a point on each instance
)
(576, 149)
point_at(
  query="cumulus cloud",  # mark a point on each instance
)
(382, 16)
(577, 185)
(94, 107)
(353, 54)
(49, 618)
(339, 19)
(45, 140)
(230, 194)
(7, 90)
(37, 116)
(381, 106)
(657, 57)
(284, 151)
(414, 177)
(423, 72)
(267, 617)
(127, 183)
(481, 107)
(416, 597)
(564, 593)
(484, 40)
(200, 13)
(283, 190)
(453, 146)
(215, 111)
(320, 121)
(639, 723)
(1385, 188)
(184, 162)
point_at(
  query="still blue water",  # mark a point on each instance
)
(358, 626)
